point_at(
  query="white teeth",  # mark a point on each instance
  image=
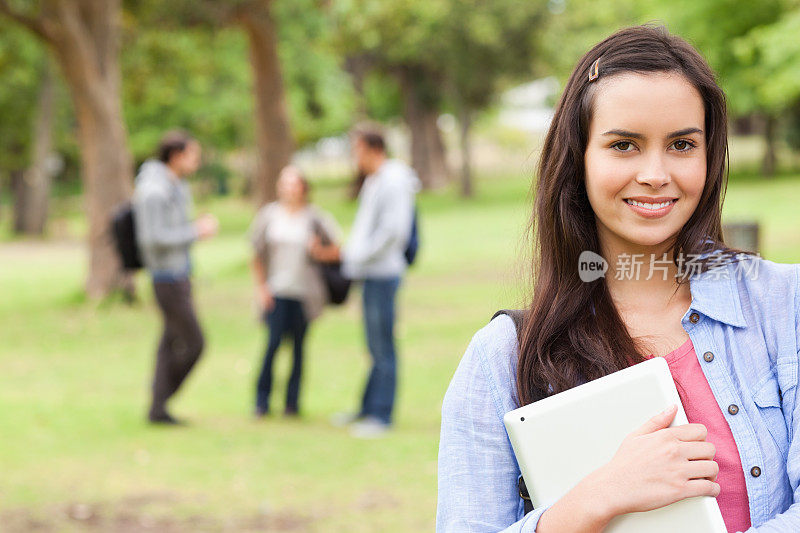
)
(649, 206)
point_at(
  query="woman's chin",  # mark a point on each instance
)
(651, 240)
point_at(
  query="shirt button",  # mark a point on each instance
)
(708, 357)
(733, 409)
(755, 471)
(693, 318)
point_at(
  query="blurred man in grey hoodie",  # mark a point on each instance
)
(162, 204)
(375, 254)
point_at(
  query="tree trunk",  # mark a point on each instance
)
(16, 187)
(32, 193)
(465, 119)
(84, 37)
(86, 43)
(273, 134)
(769, 164)
(427, 148)
(358, 66)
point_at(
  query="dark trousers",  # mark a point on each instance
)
(379, 316)
(181, 342)
(286, 318)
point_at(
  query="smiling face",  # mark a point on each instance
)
(645, 159)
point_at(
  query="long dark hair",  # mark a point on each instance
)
(573, 331)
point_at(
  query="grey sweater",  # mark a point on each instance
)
(161, 205)
(382, 226)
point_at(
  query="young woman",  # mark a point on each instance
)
(289, 284)
(633, 168)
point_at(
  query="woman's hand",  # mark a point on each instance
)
(321, 253)
(265, 298)
(656, 465)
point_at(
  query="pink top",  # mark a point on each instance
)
(701, 407)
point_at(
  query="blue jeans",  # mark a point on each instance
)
(379, 315)
(286, 317)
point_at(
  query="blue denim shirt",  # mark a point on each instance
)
(743, 322)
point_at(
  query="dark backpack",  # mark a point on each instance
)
(518, 317)
(413, 241)
(123, 229)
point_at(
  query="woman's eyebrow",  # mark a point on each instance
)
(685, 131)
(634, 135)
(624, 133)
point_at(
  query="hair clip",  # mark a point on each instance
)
(594, 71)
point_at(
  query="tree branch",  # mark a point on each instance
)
(35, 25)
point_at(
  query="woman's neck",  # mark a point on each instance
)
(293, 207)
(640, 274)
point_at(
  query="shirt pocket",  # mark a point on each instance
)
(767, 398)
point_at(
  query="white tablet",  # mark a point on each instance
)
(562, 438)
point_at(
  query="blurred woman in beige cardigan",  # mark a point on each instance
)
(290, 288)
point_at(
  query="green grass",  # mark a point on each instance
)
(74, 379)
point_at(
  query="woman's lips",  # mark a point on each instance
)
(650, 212)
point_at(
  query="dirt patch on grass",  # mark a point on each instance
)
(137, 514)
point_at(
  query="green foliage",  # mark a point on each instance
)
(722, 30)
(752, 46)
(22, 62)
(574, 26)
(500, 40)
(383, 100)
(186, 64)
(320, 93)
(191, 78)
(770, 59)
(456, 50)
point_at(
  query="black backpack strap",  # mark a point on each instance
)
(523, 493)
(518, 316)
(319, 230)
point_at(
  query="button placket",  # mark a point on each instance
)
(740, 426)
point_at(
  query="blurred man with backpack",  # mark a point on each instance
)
(165, 233)
(378, 252)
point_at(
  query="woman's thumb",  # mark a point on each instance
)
(660, 421)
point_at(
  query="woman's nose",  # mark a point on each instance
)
(655, 173)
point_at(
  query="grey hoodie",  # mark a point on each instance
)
(161, 205)
(382, 226)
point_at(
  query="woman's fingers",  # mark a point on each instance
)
(702, 469)
(702, 487)
(689, 432)
(698, 450)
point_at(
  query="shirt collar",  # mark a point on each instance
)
(715, 294)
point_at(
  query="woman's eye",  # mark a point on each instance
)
(683, 145)
(623, 146)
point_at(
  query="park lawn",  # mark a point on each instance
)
(76, 455)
